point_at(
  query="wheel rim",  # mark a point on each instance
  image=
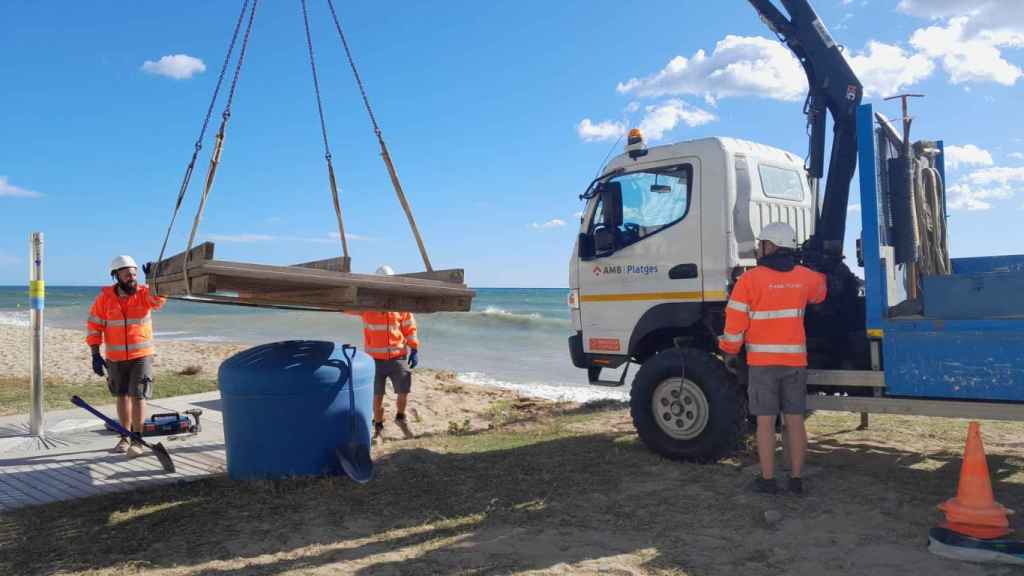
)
(680, 408)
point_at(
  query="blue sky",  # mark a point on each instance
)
(497, 115)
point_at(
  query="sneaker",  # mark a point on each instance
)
(796, 486)
(135, 450)
(403, 425)
(122, 445)
(765, 486)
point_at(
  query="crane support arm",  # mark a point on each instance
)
(832, 87)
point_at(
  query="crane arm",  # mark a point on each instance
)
(833, 87)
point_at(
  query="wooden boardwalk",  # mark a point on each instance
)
(79, 463)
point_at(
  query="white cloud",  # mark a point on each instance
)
(1000, 175)
(240, 238)
(964, 196)
(661, 118)
(969, 155)
(974, 191)
(177, 66)
(578, 215)
(553, 223)
(970, 57)
(607, 130)
(738, 66)
(8, 189)
(853, 208)
(1016, 155)
(1000, 21)
(886, 69)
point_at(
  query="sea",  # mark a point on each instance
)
(513, 338)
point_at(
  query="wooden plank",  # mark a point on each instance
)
(452, 276)
(51, 478)
(174, 284)
(858, 378)
(175, 264)
(17, 495)
(36, 494)
(916, 407)
(292, 276)
(339, 264)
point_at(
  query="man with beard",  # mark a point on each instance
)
(766, 313)
(120, 320)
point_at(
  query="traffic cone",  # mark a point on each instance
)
(974, 512)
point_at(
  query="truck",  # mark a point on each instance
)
(667, 230)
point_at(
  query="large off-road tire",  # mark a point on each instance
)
(701, 417)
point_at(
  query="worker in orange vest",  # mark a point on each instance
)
(120, 320)
(390, 338)
(766, 313)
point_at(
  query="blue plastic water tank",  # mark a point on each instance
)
(287, 406)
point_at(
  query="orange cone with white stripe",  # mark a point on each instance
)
(974, 512)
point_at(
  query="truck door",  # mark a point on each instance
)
(641, 247)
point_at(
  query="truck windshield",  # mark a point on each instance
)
(651, 200)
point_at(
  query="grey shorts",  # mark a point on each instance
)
(397, 371)
(774, 389)
(131, 377)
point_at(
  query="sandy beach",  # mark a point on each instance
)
(439, 402)
(66, 356)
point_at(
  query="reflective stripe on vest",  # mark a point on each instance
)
(387, 350)
(378, 327)
(740, 306)
(777, 348)
(776, 314)
(96, 320)
(136, 346)
(732, 337)
(147, 319)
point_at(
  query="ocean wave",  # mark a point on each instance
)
(495, 315)
(546, 390)
(15, 318)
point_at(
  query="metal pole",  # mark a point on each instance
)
(908, 154)
(37, 293)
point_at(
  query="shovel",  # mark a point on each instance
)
(158, 448)
(354, 456)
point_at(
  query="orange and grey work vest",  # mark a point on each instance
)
(123, 324)
(387, 334)
(766, 312)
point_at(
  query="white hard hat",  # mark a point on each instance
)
(385, 270)
(780, 234)
(122, 262)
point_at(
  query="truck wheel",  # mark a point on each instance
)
(700, 416)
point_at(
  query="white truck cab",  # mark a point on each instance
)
(664, 234)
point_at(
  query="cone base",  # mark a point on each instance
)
(975, 530)
(948, 544)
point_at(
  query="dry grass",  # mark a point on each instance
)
(15, 392)
(569, 491)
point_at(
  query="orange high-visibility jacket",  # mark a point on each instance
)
(766, 311)
(123, 324)
(386, 334)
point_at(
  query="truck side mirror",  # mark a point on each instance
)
(604, 240)
(585, 245)
(611, 204)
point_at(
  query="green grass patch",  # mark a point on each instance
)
(15, 393)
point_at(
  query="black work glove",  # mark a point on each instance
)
(98, 364)
(146, 268)
(414, 357)
(732, 362)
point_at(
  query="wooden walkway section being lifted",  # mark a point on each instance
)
(321, 285)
